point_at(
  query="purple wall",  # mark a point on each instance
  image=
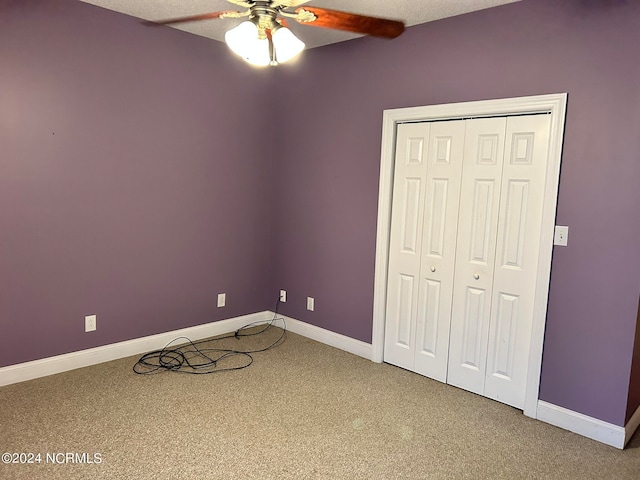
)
(128, 188)
(328, 174)
(634, 385)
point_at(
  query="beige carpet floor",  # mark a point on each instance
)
(302, 411)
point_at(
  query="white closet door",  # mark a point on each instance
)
(442, 196)
(405, 243)
(475, 253)
(464, 246)
(518, 240)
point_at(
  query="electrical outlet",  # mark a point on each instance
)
(283, 296)
(310, 304)
(90, 323)
(561, 236)
(222, 299)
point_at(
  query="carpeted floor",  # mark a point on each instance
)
(302, 411)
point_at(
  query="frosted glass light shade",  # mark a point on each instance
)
(286, 44)
(239, 38)
(243, 40)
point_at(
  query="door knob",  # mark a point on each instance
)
(433, 269)
(476, 276)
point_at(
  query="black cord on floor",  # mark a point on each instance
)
(192, 359)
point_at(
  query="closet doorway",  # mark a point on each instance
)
(465, 230)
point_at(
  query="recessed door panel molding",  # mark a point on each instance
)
(409, 218)
(481, 220)
(489, 151)
(437, 217)
(442, 147)
(406, 243)
(506, 331)
(404, 310)
(428, 313)
(485, 235)
(515, 223)
(414, 152)
(468, 343)
(467, 349)
(522, 148)
(471, 351)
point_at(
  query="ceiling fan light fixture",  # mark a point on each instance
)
(264, 38)
(286, 44)
(244, 41)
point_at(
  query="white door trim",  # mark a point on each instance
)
(555, 105)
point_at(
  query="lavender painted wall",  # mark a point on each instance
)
(128, 188)
(329, 171)
(633, 402)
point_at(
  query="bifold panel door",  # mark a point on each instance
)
(422, 246)
(517, 257)
(475, 252)
(406, 243)
(440, 224)
(466, 217)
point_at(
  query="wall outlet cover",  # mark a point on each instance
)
(90, 323)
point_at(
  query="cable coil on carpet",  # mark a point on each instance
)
(198, 359)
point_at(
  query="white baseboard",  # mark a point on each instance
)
(328, 337)
(584, 425)
(631, 426)
(84, 358)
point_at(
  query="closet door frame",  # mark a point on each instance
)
(553, 104)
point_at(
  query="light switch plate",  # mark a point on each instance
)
(561, 236)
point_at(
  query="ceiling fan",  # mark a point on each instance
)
(264, 38)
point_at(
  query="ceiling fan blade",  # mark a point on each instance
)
(192, 18)
(377, 27)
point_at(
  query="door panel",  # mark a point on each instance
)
(442, 198)
(404, 310)
(484, 193)
(409, 218)
(523, 186)
(472, 334)
(505, 336)
(516, 205)
(475, 253)
(437, 217)
(429, 317)
(406, 243)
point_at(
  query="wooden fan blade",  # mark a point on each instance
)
(350, 22)
(193, 18)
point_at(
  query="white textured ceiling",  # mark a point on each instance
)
(412, 12)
